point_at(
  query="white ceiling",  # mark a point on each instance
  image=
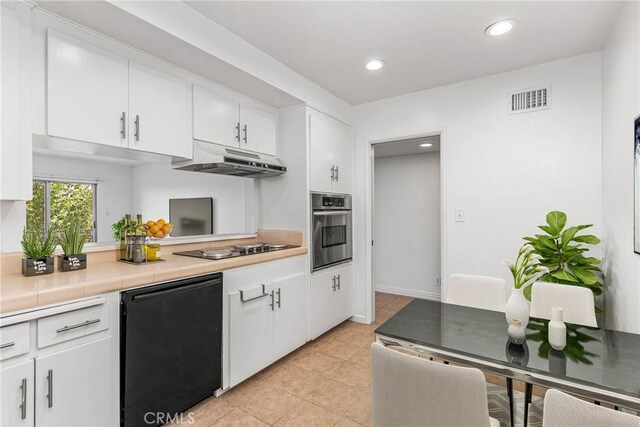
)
(407, 147)
(426, 44)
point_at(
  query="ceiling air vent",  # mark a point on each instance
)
(527, 100)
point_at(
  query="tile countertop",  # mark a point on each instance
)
(104, 274)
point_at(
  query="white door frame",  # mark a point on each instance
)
(369, 200)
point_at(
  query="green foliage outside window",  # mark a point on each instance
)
(68, 203)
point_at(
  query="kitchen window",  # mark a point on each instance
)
(56, 203)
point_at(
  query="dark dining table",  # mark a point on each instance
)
(599, 364)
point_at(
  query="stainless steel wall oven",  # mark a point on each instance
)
(331, 222)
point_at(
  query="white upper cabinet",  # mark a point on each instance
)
(15, 137)
(215, 118)
(96, 96)
(343, 157)
(87, 91)
(223, 120)
(258, 130)
(158, 105)
(321, 161)
(330, 155)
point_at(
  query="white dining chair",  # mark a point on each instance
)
(410, 391)
(578, 307)
(577, 303)
(485, 292)
(489, 293)
(563, 410)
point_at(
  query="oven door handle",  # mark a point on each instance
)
(329, 213)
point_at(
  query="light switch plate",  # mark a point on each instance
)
(460, 215)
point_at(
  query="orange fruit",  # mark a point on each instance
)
(161, 222)
(166, 229)
(154, 229)
(150, 223)
(159, 234)
(149, 233)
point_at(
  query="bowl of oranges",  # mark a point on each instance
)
(158, 229)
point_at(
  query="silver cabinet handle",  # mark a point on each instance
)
(272, 305)
(78, 325)
(262, 295)
(333, 173)
(339, 282)
(23, 399)
(123, 125)
(244, 129)
(279, 293)
(334, 283)
(238, 131)
(50, 388)
(7, 345)
(337, 175)
(137, 131)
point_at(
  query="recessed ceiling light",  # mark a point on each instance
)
(426, 145)
(375, 64)
(501, 27)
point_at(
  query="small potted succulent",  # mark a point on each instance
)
(38, 251)
(72, 242)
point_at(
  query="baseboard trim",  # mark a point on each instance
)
(408, 292)
(358, 319)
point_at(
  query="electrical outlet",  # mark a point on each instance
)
(460, 215)
(438, 281)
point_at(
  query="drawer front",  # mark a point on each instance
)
(73, 324)
(14, 340)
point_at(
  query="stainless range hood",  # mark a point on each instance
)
(212, 158)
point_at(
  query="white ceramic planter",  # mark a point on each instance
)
(517, 308)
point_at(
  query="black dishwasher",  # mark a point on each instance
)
(170, 349)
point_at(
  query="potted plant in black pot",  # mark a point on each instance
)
(37, 251)
(72, 242)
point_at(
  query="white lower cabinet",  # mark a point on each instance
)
(16, 405)
(250, 333)
(331, 299)
(267, 315)
(70, 382)
(73, 387)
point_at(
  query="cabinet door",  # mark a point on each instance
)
(250, 332)
(290, 315)
(73, 386)
(215, 118)
(344, 294)
(15, 132)
(158, 112)
(16, 405)
(321, 158)
(87, 91)
(343, 155)
(258, 130)
(321, 303)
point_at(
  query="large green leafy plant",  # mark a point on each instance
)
(564, 252)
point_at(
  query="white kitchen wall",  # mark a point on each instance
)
(407, 203)
(506, 171)
(620, 105)
(234, 199)
(114, 186)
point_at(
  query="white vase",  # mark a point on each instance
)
(517, 308)
(557, 329)
(516, 332)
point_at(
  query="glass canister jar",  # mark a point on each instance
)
(153, 252)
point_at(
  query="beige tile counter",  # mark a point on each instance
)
(105, 274)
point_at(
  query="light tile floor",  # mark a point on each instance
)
(327, 382)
